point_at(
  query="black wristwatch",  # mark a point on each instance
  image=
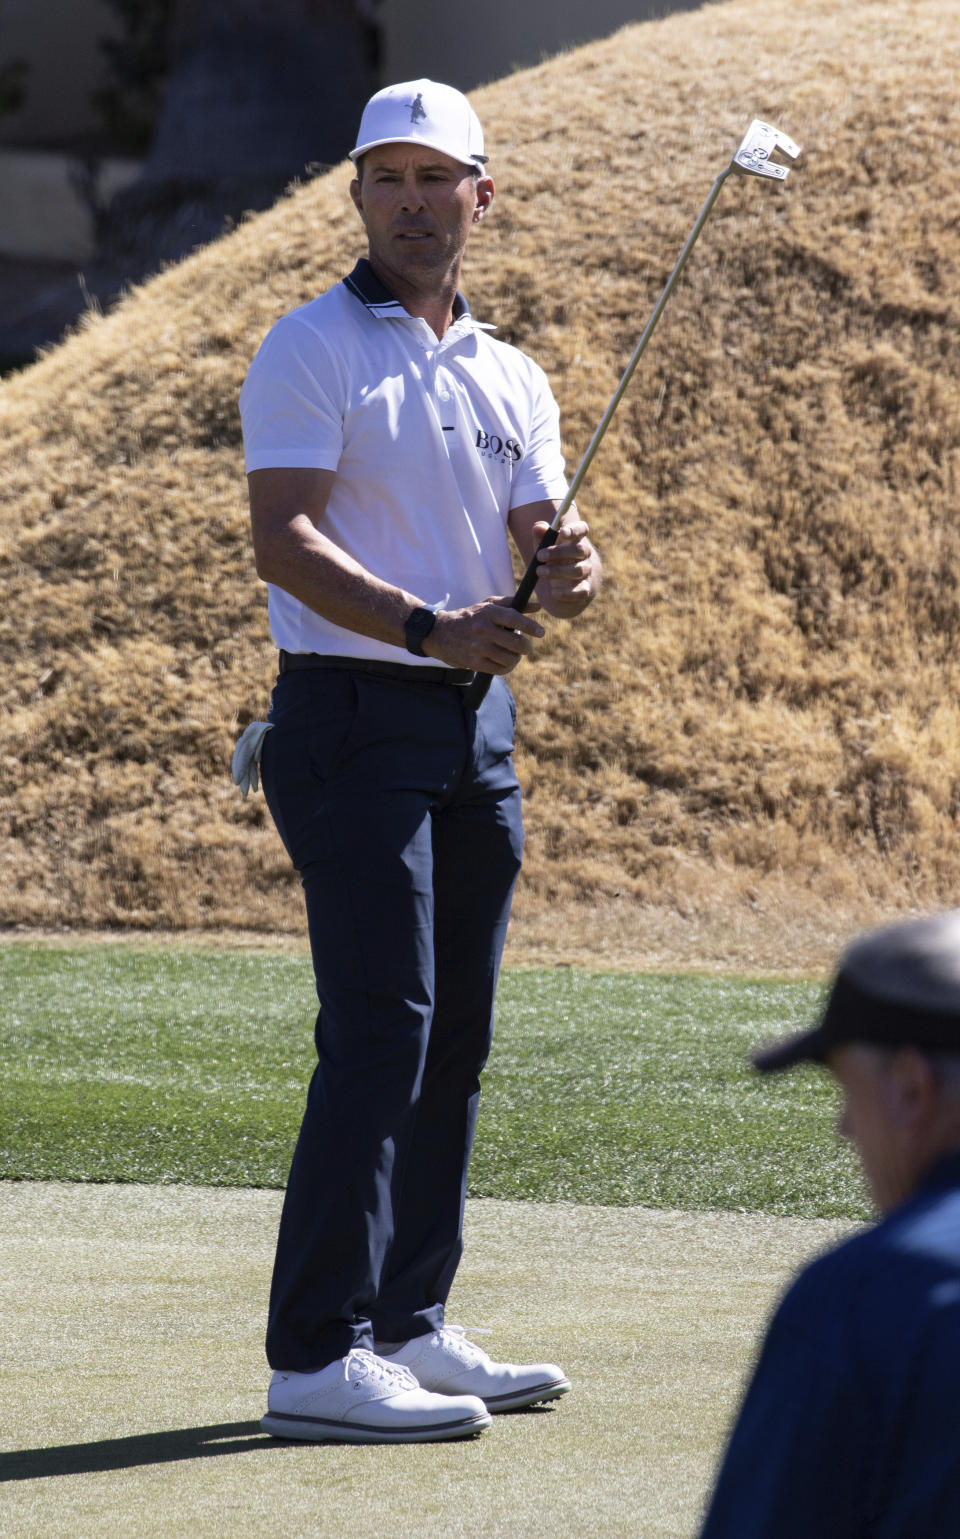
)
(417, 627)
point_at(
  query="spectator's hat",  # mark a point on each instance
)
(422, 112)
(896, 987)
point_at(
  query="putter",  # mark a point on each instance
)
(751, 159)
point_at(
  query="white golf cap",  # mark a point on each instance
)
(422, 112)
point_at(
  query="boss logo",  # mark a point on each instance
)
(490, 446)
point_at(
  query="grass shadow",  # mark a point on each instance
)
(121, 1453)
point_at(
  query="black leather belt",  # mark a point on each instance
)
(408, 672)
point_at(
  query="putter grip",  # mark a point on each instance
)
(477, 691)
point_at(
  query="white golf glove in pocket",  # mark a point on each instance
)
(246, 756)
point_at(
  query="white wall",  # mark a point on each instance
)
(44, 212)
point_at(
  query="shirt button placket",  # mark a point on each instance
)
(442, 384)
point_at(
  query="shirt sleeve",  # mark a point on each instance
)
(291, 404)
(794, 1466)
(541, 476)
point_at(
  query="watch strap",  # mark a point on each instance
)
(417, 627)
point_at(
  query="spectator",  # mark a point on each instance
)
(849, 1428)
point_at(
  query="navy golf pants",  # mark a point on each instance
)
(400, 809)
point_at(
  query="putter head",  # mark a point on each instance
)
(753, 156)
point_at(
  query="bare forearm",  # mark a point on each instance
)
(489, 636)
(308, 566)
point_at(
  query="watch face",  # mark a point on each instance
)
(421, 622)
(416, 627)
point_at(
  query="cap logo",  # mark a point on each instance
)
(417, 114)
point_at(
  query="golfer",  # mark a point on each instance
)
(394, 448)
(850, 1426)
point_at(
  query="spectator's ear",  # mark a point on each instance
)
(915, 1095)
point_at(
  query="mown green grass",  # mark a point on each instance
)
(149, 1065)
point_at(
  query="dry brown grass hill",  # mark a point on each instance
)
(752, 743)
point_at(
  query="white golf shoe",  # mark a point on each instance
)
(450, 1364)
(362, 1399)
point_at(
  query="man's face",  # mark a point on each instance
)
(886, 1114)
(418, 207)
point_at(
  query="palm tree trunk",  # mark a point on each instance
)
(258, 91)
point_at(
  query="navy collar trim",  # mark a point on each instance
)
(364, 285)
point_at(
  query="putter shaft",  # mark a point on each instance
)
(751, 159)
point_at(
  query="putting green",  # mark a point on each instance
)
(132, 1371)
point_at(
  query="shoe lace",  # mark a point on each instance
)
(364, 1367)
(468, 1350)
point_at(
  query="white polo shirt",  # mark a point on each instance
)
(433, 443)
